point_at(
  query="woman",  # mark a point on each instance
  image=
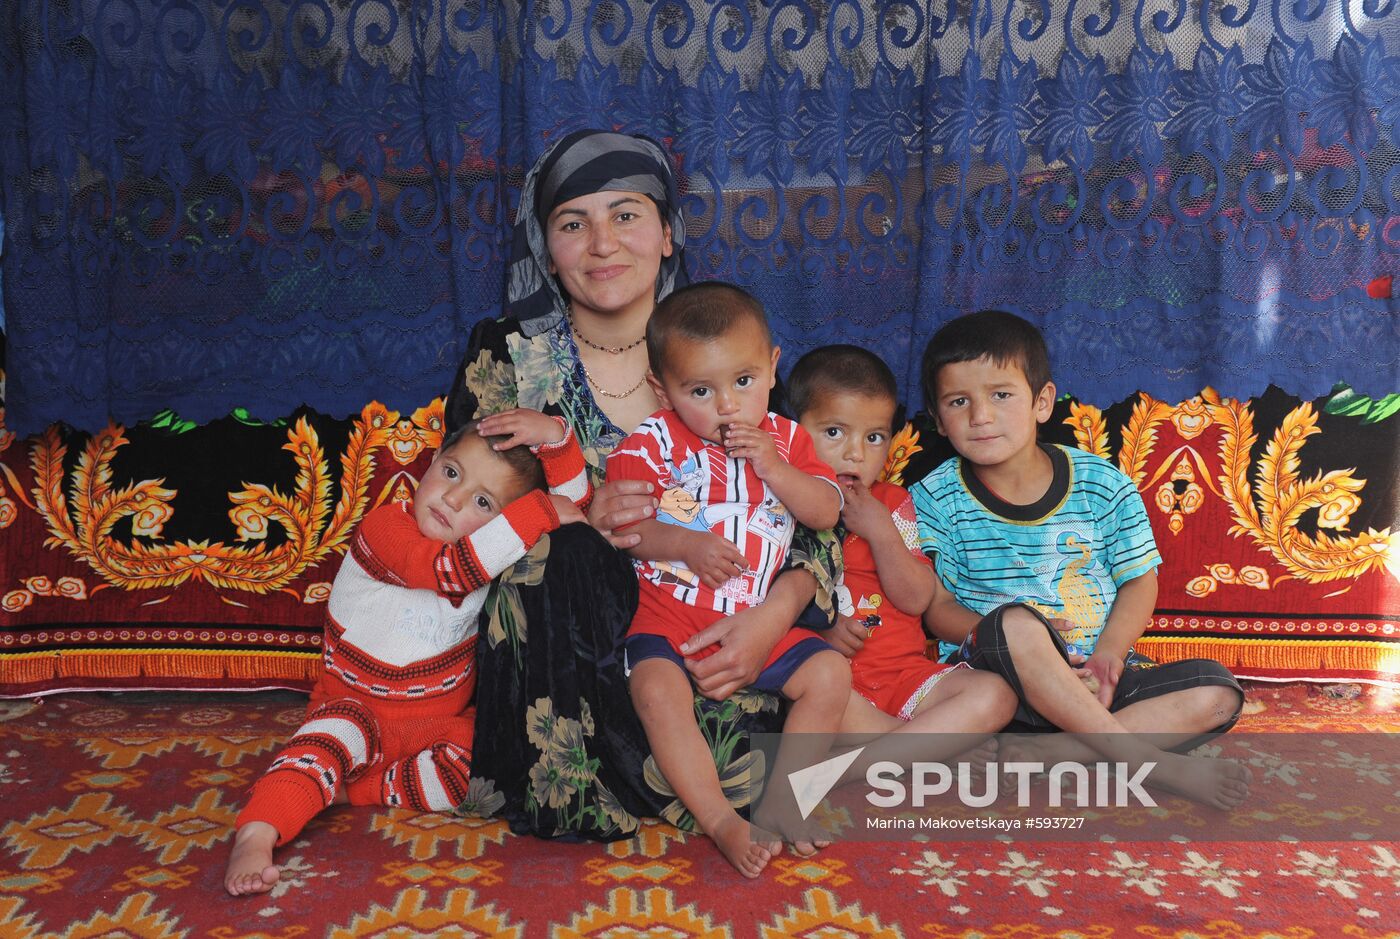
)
(599, 238)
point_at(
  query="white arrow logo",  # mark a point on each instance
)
(811, 785)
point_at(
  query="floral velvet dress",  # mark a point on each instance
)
(559, 749)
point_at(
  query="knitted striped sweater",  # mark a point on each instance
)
(402, 617)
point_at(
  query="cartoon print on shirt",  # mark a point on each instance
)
(1080, 594)
(848, 605)
(771, 520)
(680, 501)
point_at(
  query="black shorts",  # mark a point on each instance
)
(986, 648)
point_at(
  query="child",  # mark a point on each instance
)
(845, 397)
(1051, 546)
(733, 477)
(390, 721)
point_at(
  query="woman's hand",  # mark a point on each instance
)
(743, 648)
(523, 426)
(621, 502)
(746, 638)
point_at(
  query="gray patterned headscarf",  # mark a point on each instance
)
(585, 162)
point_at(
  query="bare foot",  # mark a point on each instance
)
(741, 845)
(1048, 749)
(980, 756)
(809, 845)
(1221, 783)
(807, 836)
(250, 867)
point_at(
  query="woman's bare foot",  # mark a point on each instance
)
(807, 837)
(250, 867)
(742, 845)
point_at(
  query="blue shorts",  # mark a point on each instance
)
(642, 646)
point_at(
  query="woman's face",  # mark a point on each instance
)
(606, 249)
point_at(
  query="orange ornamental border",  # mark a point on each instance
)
(1267, 658)
(25, 673)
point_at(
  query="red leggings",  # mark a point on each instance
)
(419, 762)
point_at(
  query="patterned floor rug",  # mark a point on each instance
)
(117, 811)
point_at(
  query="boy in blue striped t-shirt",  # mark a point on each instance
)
(1050, 562)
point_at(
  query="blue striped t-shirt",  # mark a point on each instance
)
(1066, 555)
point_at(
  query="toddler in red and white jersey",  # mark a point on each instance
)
(733, 478)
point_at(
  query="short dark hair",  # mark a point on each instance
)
(529, 472)
(839, 368)
(701, 312)
(1002, 337)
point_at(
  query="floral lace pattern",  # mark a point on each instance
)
(1181, 194)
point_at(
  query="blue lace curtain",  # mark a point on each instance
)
(258, 203)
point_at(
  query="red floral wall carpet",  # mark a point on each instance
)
(175, 555)
(118, 810)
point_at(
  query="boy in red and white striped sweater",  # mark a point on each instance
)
(390, 720)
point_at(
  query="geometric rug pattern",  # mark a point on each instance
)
(117, 815)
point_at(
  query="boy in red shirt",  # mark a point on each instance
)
(846, 398)
(733, 477)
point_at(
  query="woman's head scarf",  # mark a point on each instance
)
(585, 162)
